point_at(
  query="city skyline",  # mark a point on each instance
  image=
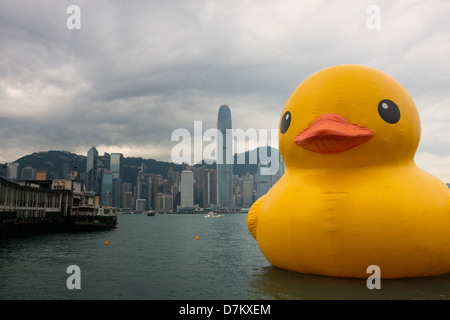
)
(146, 189)
(124, 87)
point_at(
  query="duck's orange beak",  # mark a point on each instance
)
(332, 133)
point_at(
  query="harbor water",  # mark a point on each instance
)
(176, 257)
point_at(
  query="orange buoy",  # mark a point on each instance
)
(197, 237)
(106, 242)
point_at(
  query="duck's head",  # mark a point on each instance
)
(348, 116)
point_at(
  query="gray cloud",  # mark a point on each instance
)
(137, 71)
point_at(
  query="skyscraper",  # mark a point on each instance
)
(107, 188)
(116, 171)
(187, 188)
(263, 181)
(91, 171)
(28, 173)
(225, 159)
(116, 165)
(247, 191)
(144, 186)
(12, 170)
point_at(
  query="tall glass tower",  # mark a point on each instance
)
(116, 162)
(91, 171)
(264, 181)
(187, 188)
(107, 189)
(225, 159)
(116, 165)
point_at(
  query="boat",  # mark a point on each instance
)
(150, 213)
(212, 214)
(91, 218)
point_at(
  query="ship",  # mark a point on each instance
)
(91, 218)
(212, 214)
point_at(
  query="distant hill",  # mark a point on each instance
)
(131, 166)
(250, 165)
(59, 163)
(55, 162)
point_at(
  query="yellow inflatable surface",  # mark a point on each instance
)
(352, 195)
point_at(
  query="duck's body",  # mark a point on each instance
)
(376, 216)
(342, 211)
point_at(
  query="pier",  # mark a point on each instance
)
(36, 206)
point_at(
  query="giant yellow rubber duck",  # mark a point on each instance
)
(352, 195)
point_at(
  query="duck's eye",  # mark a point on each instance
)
(285, 122)
(389, 111)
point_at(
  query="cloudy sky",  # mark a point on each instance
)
(137, 70)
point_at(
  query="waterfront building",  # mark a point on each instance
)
(127, 200)
(127, 195)
(115, 167)
(198, 185)
(264, 181)
(107, 188)
(206, 188)
(212, 189)
(164, 202)
(145, 189)
(92, 171)
(117, 193)
(156, 184)
(175, 189)
(168, 202)
(225, 159)
(141, 205)
(144, 186)
(247, 191)
(187, 188)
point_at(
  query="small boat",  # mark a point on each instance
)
(150, 213)
(212, 214)
(90, 218)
